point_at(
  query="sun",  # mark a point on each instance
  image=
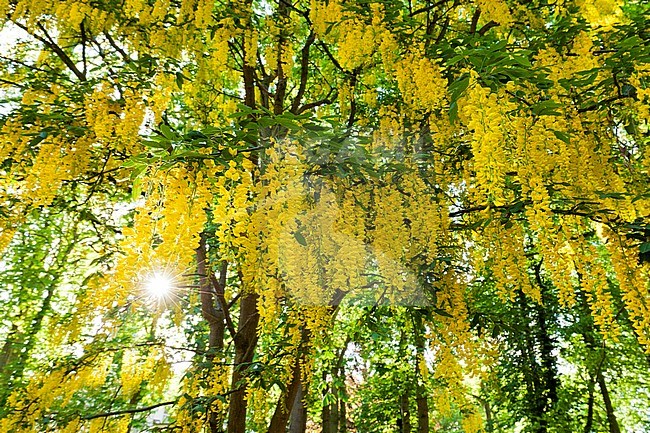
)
(159, 285)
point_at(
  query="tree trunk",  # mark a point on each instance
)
(284, 407)
(405, 412)
(423, 410)
(609, 409)
(334, 413)
(421, 400)
(590, 406)
(343, 411)
(212, 314)
(489, 423)
(590, 341)
(287, 400)
(298, 420)
(326, 413)
(245, 341)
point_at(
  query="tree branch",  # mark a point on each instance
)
(219, 286)
(475, 17)
(427, 8)
(128, 411)
(49, 42)
(483, 30)
(304, 72)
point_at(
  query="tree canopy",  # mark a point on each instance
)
(343, 215)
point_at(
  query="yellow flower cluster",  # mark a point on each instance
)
(51, 167)
(113, 123)
(457, 355)
(356, 40)
(53, 387)
(390, 243)
(483, 112)
(634, 282)
(164, 235)
(420, 82)
(356, 43)
(581, 59)
(495, 10)
(640, 79)
(601, 13)
(509, 263)
(593, 278)
(324, 15)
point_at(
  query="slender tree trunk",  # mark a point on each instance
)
(211, 312)
(287, 400)
(214, 315)
(334, 413)
(405, 412)
(421, 400)
(8, 348)
(423, 410)
(531, 373)
(326, 413)
(609, 409)
(284, 407)
(489, 423)
(590, 405)
(343, 409)
(330, 423)
(590, 341)
(245, 341)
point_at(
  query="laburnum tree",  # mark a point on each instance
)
(343, 215)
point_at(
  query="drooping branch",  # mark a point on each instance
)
(49, 42)
(128, 411)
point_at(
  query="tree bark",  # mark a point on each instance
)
(421, 400)
(609, 409)
(423, 410)
(590, 341)
(284, 407)
(343, 409)
(245, 341)
(590, 406)
(287, 400)
(212, 314)
(298, 419)
(405, 413)
(326, 416)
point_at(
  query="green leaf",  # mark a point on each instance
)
(157, 144)
(453, 112)
(167, 132)
(562, 136)
(644, 248)
(179, 80)
(545, 108)
(300, 238)
(458, 87)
